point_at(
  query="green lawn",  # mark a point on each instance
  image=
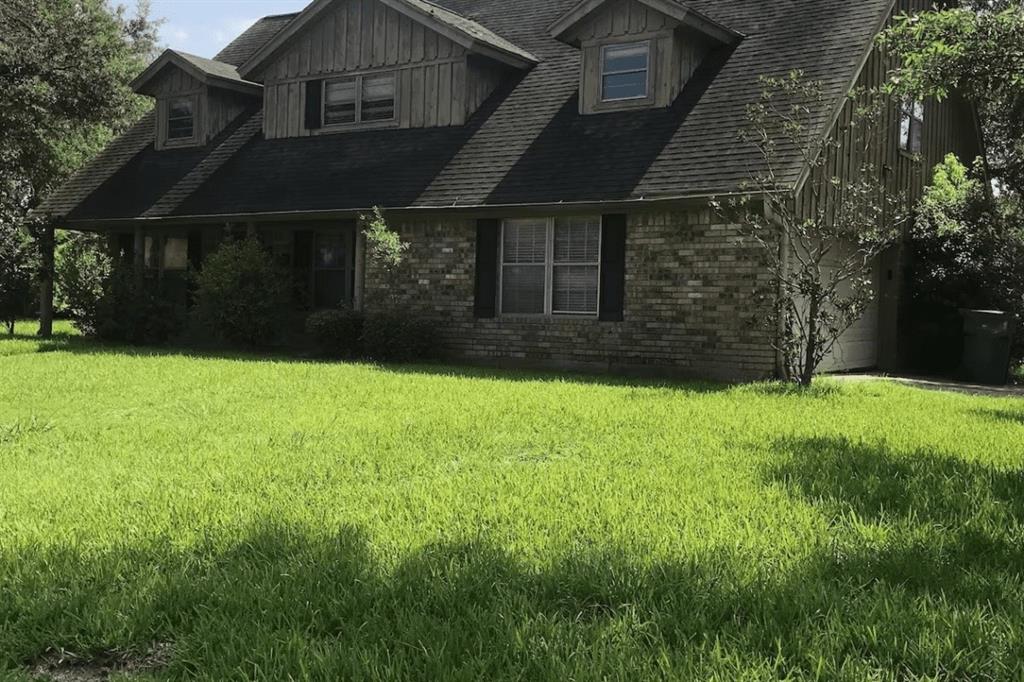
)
(276, 520)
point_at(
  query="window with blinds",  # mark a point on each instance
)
(359, 99)
(550, 266)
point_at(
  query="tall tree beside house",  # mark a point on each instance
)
(968, 239)
(820, 252)
(16, 265)
(65, 66)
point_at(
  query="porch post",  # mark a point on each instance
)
(359, 271)
(46, 274)
(139, 256)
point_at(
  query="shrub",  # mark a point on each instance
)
(242, 294)
(397, 337)
(83, 271)
(16, 270)
(336, 333)
(135, 313)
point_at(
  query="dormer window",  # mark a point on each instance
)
(359, 99)
(181, 124)
(625, 71)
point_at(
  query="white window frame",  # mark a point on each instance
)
(602, 74)
(549, 270)
(358, 80)
(908, 107)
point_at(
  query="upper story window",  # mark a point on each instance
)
(625, 71)
(181, 122)
(911, 126)
(359, 99)
(550, 266)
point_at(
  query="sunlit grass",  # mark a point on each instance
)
(275, 520)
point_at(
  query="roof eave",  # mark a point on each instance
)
(172, 58)
(565, 24)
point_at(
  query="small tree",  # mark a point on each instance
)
(385, 250)
(83, 273)
(16, 270)
(819, 247)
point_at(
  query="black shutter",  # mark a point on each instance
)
(314, 99)
(487, 234)
(613, 267)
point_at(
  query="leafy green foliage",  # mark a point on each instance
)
(394, 336)
(65, 66)
(819, 260)
(288, 520)
(132, 312)
(336, 333)
(243, 294)
(83, 272)
(968, 251)
(977, 51)
(16, 274)
(384, 246)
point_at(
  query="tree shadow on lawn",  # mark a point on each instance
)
(279, 601)
(456, 369)
(1012, 416)
(949, 525)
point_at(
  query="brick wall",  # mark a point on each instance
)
(689, 286)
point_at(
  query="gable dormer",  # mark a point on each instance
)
(196, 98)
(637, 54)
(345, 65)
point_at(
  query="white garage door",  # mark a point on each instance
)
(858, 347)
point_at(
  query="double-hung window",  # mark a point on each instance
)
(911, 125)
(550, 266)
(625, 71)
(180, 119)
(359, 99)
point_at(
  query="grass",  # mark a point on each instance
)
(279, 520)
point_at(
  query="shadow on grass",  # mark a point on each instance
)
(949, 522)
(287, 602)
(1012, 416)
(456, 369)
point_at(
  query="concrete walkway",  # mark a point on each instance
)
(933, 384)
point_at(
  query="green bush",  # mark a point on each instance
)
(243, 295)
(83, 273)
(336, 333)
(131, 312)
(397, 337)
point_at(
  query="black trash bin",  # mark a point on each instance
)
(987, 340)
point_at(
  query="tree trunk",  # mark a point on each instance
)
(46, 247)
(811, 350)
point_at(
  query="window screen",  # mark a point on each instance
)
(180, 119)
(524, 266)
(575, 267)
(911, 126)
(624, 71)
(359, 99)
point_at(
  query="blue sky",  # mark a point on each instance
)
(203, 27)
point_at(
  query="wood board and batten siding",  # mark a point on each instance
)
(675, 54)
(436, 84)
(949, 127)
(213, 108)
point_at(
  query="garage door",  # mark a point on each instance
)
(858, 347)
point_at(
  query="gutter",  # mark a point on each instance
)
(473, 210)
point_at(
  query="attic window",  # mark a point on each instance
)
(180, 119)
(625, 71)
(911, 126)
(361, 99)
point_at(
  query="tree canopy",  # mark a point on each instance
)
(976, 50)
(65, 66)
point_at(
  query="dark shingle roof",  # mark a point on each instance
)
(528, 144)
(256, 36)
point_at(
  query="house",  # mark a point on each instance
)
(549, 161)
